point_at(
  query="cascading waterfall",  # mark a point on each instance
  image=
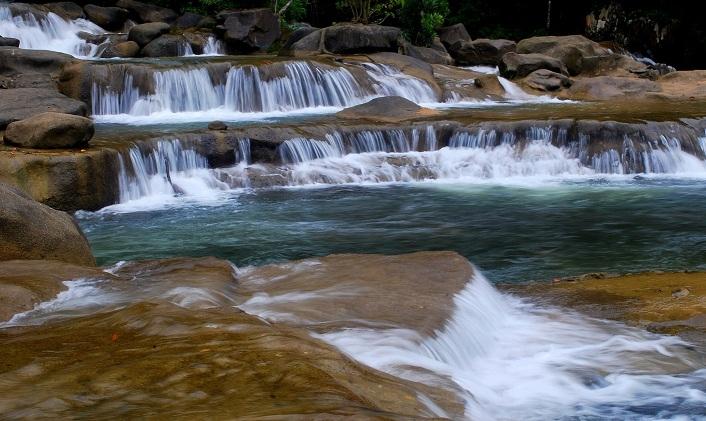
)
(49, 33)
(165, 170)
(513, 360)
(391, 82)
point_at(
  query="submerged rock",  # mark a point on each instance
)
(389, 109)
(31, 230)
(50, 131)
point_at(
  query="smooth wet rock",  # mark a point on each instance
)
(429, 55)
(515, 65)
(31, 230)
(217, 125)
(67, 180)
(388, 109)
(125, 49)
(146, 32)
(23, 103)
(572, 50)
(165, 46)
(450, 35)
(66, 9)
(249, 30)
(548, 81)
(144, 12)
(608, 87)
(9, 42)
(50, 131)
(481, 52)
(110, 18)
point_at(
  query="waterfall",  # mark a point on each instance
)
(50, 32)
(513, 360)
(213, 47)
(388, 81)
(164, 169)
(302, 150)
(513, 91)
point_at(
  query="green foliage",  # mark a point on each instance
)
(369, 11)
(421, 18)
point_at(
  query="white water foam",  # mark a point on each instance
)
(514, 360)
(51, 33)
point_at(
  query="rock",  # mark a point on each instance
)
(249, 30)
(30, 230)
(20, 68)
(188, 20)
(309, 45)
(22, 103)
(481, 52)
(572, 50)
(67, 180)
(390, 109)
(546, 80)
(609, 87)
(351, 38)
(297, 35)
(93, 38)
(217, 125)
(207, 23)
(680, 292)
(143, 12)
(515, 65)
(450, 35)
(143, 34)
(9, 42)
(460, 83)
(410, 66)
(429, 55)
(111, 18)
(50, 131)
(125, 49)
(66, 9)
(165, 46)
(37, 11)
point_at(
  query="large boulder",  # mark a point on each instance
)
(572, 50)
(50, 131)
(249, 30)
(297, 35)
(9, 42)
(111, 18)
(143, 12)
(429, 55)
(389, 109)
(125, 49)
(546, 80)
(609, 87)
(450, 35)
(66, 9)
(355, 38)
(481, 52)
(22, 103)
(515, 65)
(165, 46)
(143, 34)
(188, 20)
(20, 68)
(30, 230)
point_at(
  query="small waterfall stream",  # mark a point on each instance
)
(49, 33)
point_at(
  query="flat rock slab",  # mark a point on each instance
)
(22, 103)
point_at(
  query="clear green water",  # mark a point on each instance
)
(513, 233)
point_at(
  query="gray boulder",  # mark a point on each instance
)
(125, 49)
(297, 35)
(572, 50)
(111, 18)
(546, 80)
(143, 34)
(249, 30)
(188, 20)
(450, 35)
(165, 46)
(429, 55)
(30, 230)
(143, 12)
(22, 103)
(388, 109)
(50, 130)
(481, 52)
(351, 38)
(515, 65)
(66, 9)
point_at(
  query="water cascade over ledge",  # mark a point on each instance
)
(49, 32)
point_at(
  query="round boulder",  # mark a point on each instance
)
(30, 230)
(66, 9)
(111, 18)
(50, 131)
(146, 32)
(250, 30)
(481, 52)
(125, 49)
(166, 46)
(450, 35)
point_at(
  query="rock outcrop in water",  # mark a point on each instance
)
(50, 131)
(389, 109)
(30, 230)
